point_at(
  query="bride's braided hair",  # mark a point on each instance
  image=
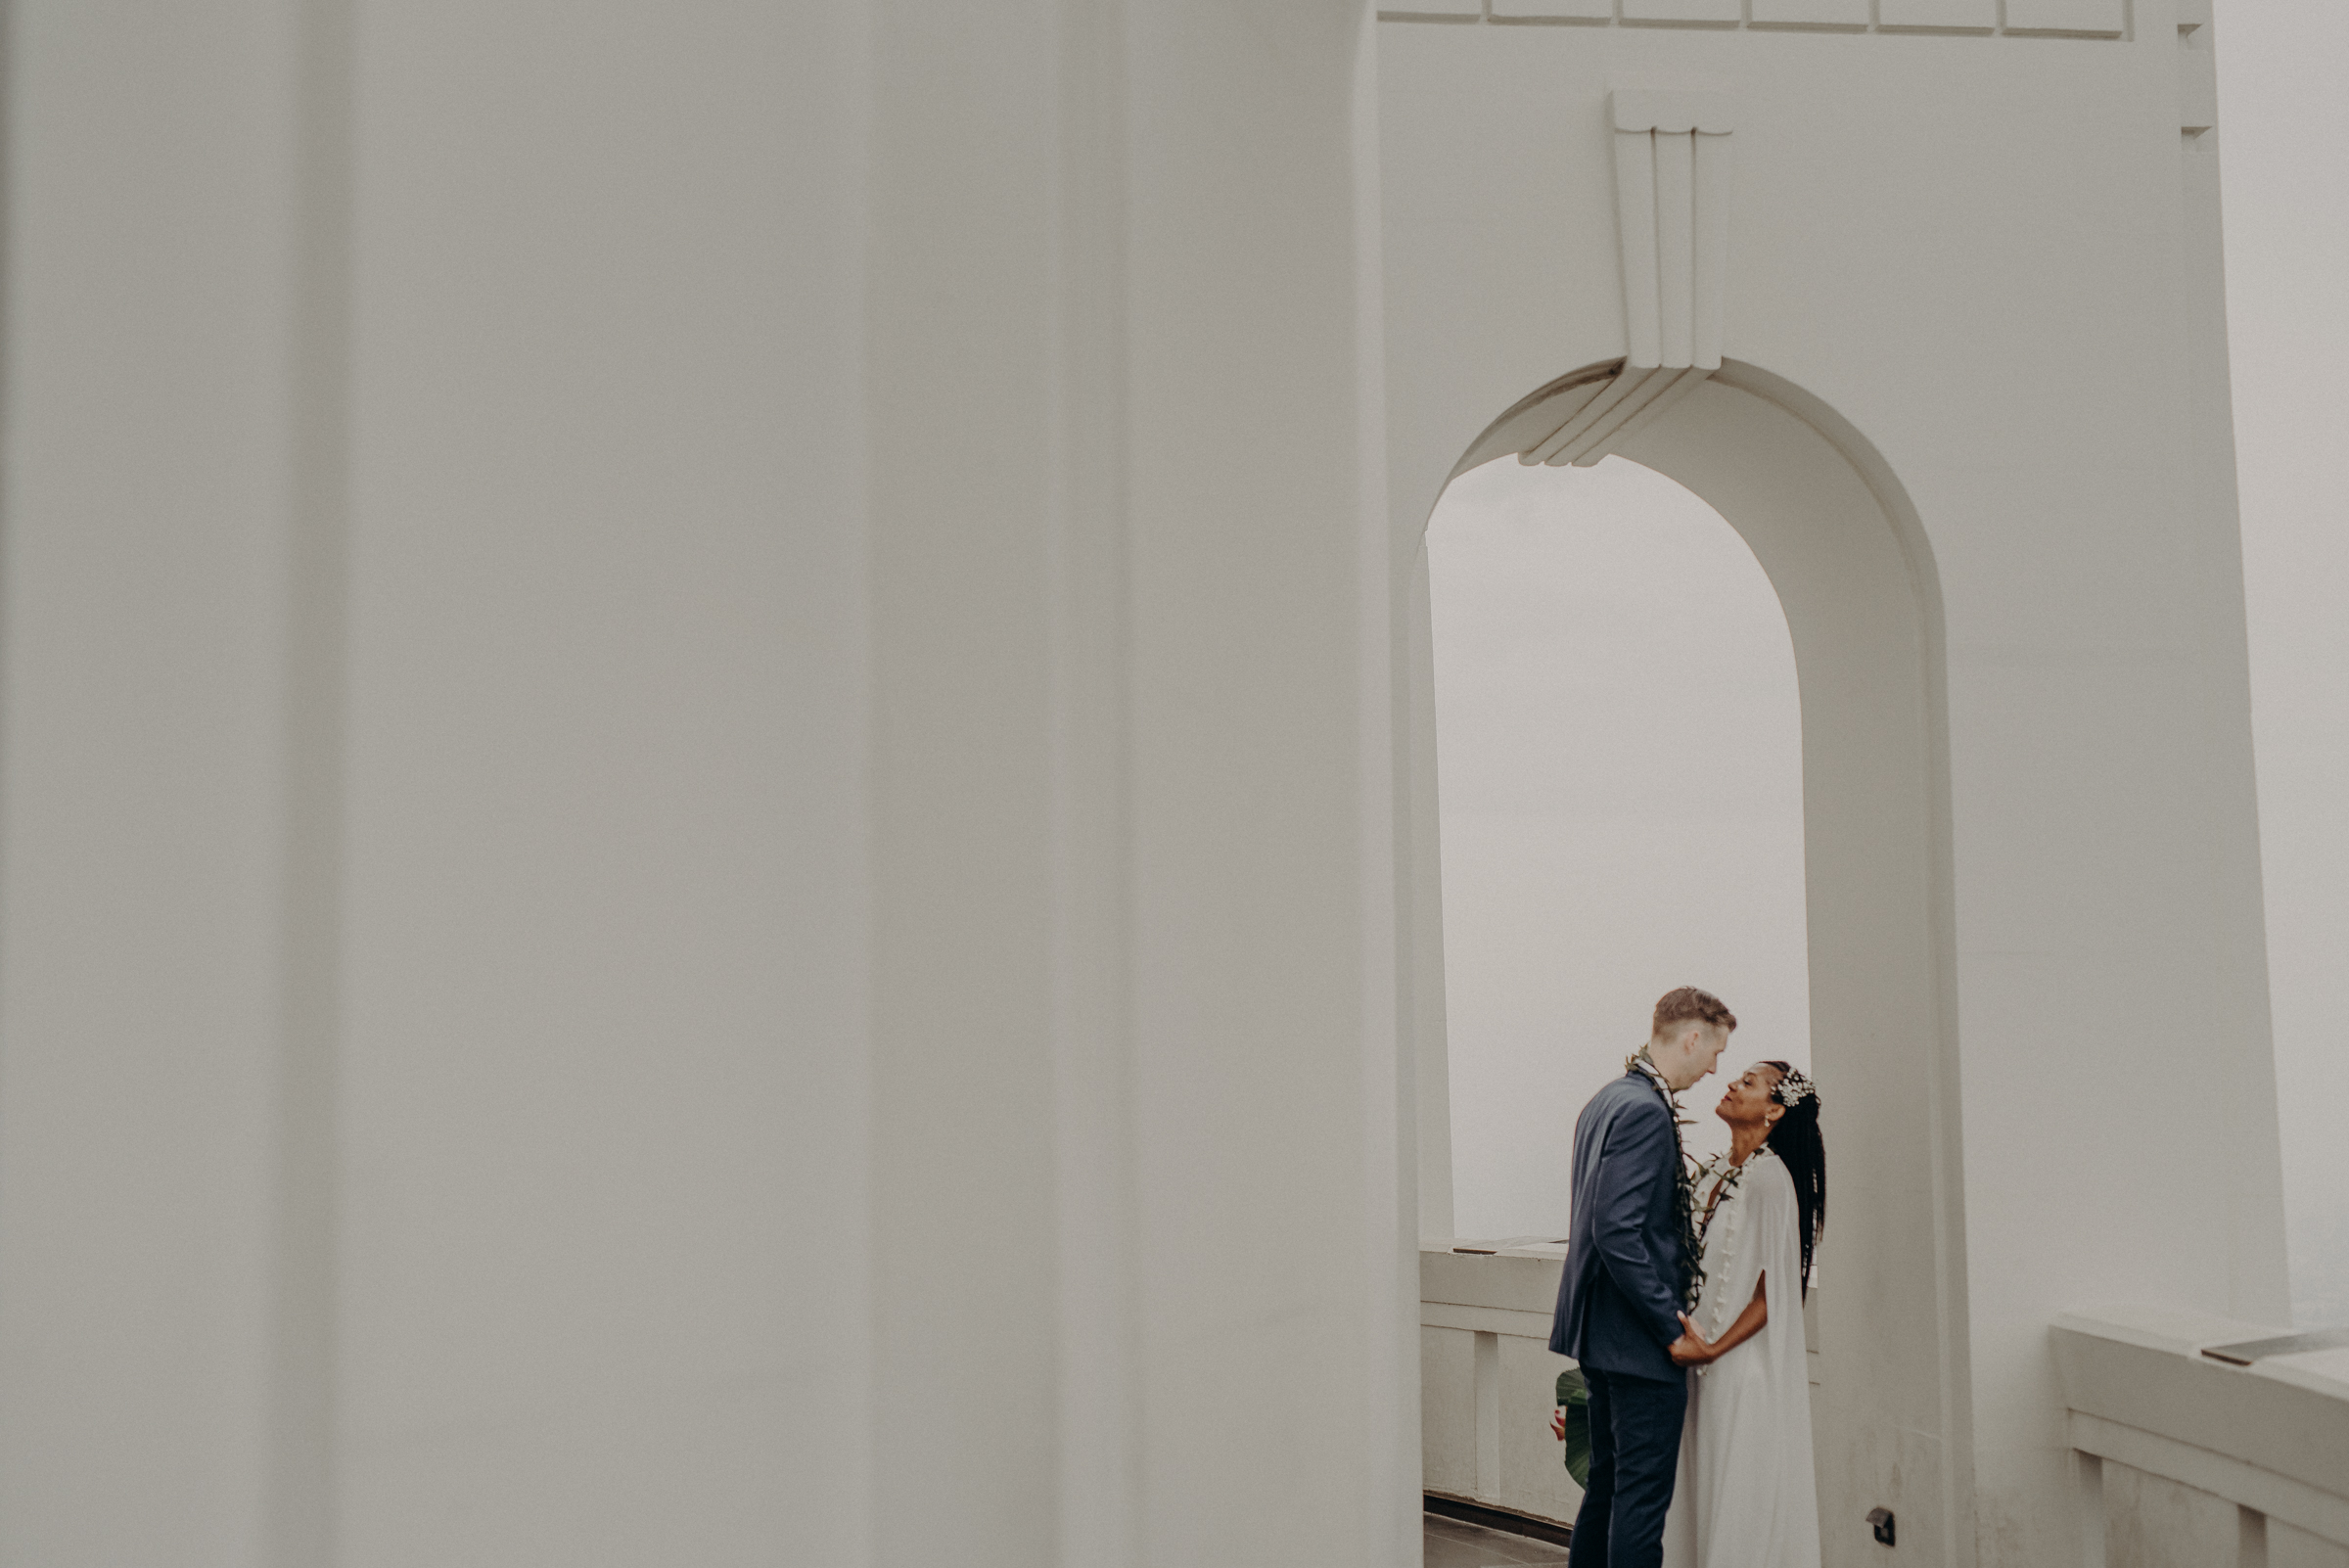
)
(1794, 1138)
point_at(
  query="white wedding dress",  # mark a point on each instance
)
(1746, 1497)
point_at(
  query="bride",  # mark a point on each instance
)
(1745, 1498)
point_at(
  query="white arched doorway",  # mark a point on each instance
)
(1833, 531)
(1619, 755)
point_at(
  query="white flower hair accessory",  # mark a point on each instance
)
(1794, 1088)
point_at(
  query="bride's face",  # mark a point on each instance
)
(1747, 1100)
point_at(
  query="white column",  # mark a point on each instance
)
(698, 790)
(604, 1163)
(153, 1295)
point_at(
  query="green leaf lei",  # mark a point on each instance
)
(1683, 1188)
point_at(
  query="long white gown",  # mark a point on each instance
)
(1746, 1496)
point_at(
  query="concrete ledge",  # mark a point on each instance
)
(2295, 1502)
(2273, 1437)
(1485, 1319)
(1510, 1279)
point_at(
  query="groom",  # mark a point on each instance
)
(1627, 1268)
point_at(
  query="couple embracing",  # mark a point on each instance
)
(1682, 1302)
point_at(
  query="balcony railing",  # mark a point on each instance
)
(2204, 1440)
(1486, 1376)
(2194, 1442)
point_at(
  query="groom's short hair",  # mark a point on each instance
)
(1688, 1005)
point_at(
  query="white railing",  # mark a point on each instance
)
(1487, 1379)
(2182, 1457)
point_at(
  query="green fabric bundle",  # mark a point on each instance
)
(1574, 1398)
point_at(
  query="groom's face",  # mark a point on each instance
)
(1705, 1050)
(1699, 1049)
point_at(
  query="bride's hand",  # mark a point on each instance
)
(1692, 1349)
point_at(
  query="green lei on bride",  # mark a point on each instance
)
(1684, 1187)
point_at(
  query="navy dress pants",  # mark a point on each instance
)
(1635, 1458)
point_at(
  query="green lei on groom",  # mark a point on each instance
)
(1684, 1194)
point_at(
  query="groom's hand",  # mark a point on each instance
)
(1690, 1349)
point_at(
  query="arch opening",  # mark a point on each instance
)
(1831, 529)
(1620, 757)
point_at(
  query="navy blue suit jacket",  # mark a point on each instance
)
(1619, 1303)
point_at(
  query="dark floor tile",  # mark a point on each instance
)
(1444, 1552)
(1456, 1543)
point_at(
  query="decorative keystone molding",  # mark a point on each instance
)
(1672, 212)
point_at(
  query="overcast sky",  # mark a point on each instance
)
(1566, 913)
(1588, 623)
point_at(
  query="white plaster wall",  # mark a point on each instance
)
(2276, 77)
(2025, 333)
(1274, 1179)
(698, 790)
(699, 772)
(600, 1083)
(435, 709)
(144, 747)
